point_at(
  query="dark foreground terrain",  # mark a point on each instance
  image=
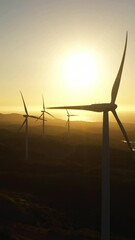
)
(57, 193)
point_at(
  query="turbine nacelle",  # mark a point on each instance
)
(102, 107)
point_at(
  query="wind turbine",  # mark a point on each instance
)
(25, 122)
(68, 120)
(43, 115)
(105, 108)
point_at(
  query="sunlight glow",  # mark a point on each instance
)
(80, 70)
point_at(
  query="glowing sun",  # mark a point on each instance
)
(80, 70)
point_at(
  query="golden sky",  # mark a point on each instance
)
(67, 50)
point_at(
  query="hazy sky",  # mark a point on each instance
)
(40, 40)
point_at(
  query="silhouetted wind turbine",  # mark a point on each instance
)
(43, 115)
(105, 108)
(25, 122)
(68, 120)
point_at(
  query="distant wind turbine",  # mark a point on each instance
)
(43, 115)
(105, 108)
(25, 122)
(68, 120)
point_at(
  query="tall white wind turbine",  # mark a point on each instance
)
(43, 115)
(105, 108)
(25, 122)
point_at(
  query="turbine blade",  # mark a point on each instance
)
(40, 115)
(31, 116)
(118, 77)
(37, 118)
(101, 107)
(49, 114)
(22, 125)
(83, 107)
(124, 141)
(122, 129)
(25, 108)
(43, 103)
(42, 119)
(67, 112)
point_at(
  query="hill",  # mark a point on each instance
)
(57, 193)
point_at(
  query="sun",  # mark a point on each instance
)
(80, 70)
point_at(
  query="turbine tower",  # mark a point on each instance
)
(25, 122)
(105, 108)
(68, 120)
(43, 115)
